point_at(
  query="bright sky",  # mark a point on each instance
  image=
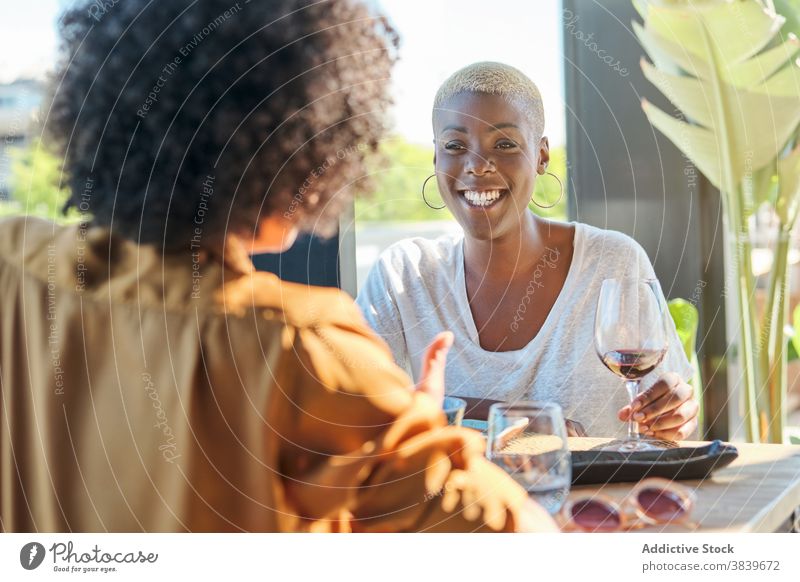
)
(28, 38)
(438, 37)
(441, 36)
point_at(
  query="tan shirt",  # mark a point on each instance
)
(143, 392)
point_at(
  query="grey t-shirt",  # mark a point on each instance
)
(417, 289)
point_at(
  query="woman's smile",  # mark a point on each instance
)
(483, 199)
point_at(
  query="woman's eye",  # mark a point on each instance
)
(453, 145)
(506, 145)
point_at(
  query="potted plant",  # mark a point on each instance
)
(730, 68)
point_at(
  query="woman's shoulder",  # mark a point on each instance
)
(611, 253)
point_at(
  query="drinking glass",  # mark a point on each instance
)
(529, 441)
(454, 409)
(630, 336)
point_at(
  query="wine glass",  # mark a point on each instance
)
(630, 337)
(529, 441)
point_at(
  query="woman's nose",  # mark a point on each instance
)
(479, 163)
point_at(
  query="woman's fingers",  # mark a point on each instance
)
(431, 380)
(664, 386)
(661, 387)
(575, 428)
(680, 433)
(675, 419)
(670, 397)
(533, 518)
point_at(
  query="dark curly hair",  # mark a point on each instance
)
(176, 114)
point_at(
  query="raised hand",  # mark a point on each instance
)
(431, 381)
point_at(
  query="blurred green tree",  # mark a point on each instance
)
(36, 177)
(35, 183)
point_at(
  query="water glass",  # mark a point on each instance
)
(529, 441)
(454, 409)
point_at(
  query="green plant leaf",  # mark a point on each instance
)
(672, 57)
(697, 143)
(687, 319)
(762, 185)
(796, 326)
(739, 30)
(791, 352)
(764, 122)
(787, 203)
(755, 70)
(790, 10)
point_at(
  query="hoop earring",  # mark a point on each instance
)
(423, 194)
(560, 193)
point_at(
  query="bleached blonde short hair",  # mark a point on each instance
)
(495, 79)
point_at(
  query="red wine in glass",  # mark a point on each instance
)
(630, 337)
(633, 364)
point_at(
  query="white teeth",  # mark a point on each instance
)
(481, 198)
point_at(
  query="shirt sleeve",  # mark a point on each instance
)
(357, 438)
(377, 303)
(675, 360)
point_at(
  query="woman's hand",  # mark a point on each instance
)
(575, 428)
(534, 519)
(666, 410)
(431, 381)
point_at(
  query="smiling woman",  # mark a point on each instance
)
(517, 291)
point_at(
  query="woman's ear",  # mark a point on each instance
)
(544, 155)
(276, 233)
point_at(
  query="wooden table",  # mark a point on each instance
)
(758, 492)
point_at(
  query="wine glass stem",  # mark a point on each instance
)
(633, 390)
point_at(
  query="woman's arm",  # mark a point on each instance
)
(357, 438)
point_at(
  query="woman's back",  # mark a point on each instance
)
(162, 392)
(133, 397)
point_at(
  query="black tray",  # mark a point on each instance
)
(598, 467)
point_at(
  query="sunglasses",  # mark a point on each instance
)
(653, 501)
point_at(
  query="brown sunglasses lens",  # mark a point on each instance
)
(661, 504)
(594, 515)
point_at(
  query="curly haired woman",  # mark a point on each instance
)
(151, 379)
